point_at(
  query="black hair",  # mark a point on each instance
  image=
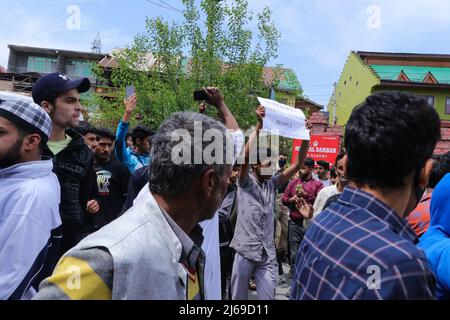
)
(261, 155)
(23, 133)
(323, 164)
(141, 132)
(85, 127)
(389, 136)
(333, 173)
(106, 133)
(341, 155)
(441, 166)
(309, 162)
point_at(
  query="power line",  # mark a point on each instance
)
(169, 5)
(165, 7)
(56, 22)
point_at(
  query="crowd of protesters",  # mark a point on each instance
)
(89, 213)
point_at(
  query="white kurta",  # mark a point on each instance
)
(29, 211)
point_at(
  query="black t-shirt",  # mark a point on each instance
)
(138, 180)
(112, 183)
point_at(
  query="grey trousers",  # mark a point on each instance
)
(266, 277)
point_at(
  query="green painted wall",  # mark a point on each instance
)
(285, 97)
(355, 84)
(439, 98)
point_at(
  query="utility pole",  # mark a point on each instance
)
(334, 103)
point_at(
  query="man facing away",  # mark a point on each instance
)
(361, 247)
(30, 225)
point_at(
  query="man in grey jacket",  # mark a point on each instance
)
(153, 250)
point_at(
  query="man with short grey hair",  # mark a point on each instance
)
(153, 250)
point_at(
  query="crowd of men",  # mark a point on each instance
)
(88, 213)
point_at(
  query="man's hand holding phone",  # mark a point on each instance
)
(130, 104)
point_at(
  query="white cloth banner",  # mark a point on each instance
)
(283, 120)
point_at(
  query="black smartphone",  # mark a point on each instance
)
(200, 95)
(129, 91)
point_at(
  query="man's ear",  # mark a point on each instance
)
(425, 173)
(208, 182)
(47, 106)
(345, 159)
(31, 141)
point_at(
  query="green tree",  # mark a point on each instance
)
(212, 46)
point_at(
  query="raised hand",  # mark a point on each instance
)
(305, 209)
(214, 96)
(260, 113)
(202, 107)
(130, 103)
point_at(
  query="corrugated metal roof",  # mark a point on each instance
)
(414, 73)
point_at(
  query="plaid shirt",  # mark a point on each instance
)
(359, 248)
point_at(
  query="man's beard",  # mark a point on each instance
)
(303, 176)
(12, 156)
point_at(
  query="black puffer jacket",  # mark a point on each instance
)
(74, 169)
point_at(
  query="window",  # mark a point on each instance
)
(447, 105)
(357, 82)
(350, 79)
(80, 68)
(430, 100)
(283, 101)
(41, 64)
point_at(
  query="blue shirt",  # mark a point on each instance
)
(126, 156)
(359, 248)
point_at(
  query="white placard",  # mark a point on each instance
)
(283, 120)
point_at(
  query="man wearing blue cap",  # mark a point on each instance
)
(30, 225)
(73, 160)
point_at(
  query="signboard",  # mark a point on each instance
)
(321, 147)
(283, 120)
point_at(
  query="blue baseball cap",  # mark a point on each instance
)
(48, 87)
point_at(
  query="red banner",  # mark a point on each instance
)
(324, 148)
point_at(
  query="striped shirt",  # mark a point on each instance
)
(359, 248)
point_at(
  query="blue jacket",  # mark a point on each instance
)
(436, 241)
(125, 155)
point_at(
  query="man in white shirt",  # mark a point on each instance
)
(30, 225)
(330, 191)
(323, 168)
